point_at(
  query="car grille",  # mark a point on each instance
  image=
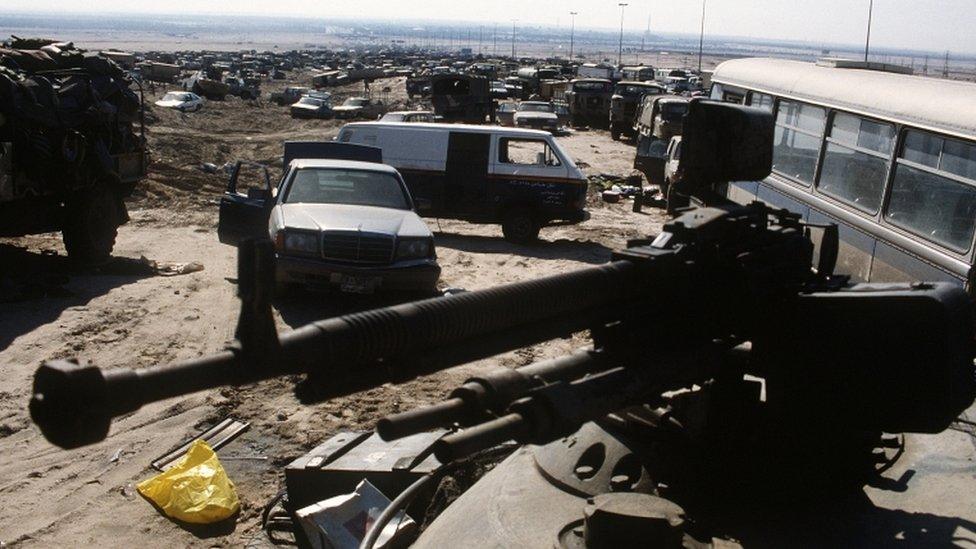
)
(357, 247)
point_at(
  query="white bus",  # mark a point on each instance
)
(889, 157)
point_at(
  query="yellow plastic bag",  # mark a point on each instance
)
(196, 489)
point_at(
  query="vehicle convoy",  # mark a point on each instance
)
(719, 406)
(72, 147)
(520, 178)
(627, 97)
(335, 222)
(181, 101)
(589, 101)
(895, 171)
(537, 115)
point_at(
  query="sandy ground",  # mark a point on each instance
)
(115, 319)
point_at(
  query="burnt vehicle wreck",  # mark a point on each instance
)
(72, 146)
(737, 391)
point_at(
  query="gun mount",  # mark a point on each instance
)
(723, 361)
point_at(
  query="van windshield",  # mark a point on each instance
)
(343, 186)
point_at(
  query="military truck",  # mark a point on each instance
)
(659, 119)
(589, 101)
(623, 105)
(462, 98)
(531, 79)
(72, 146)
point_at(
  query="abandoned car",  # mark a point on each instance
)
(348, 224)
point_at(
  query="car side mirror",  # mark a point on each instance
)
(423, 204)
(540, 158)
(724, 142)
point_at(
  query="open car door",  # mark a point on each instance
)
(244, 211)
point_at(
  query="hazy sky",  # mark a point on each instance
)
(923, 24)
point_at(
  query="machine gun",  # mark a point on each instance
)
(721, 328)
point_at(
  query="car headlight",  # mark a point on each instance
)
(414, 248)
(302, 243)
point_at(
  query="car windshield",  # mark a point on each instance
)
(176, 97)
(355, 102)
(535, 107)
(345, 186)
(310, 101)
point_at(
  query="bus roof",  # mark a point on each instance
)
(470, 128)
(929, 103)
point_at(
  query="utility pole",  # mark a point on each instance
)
(572, 31)
(867, 42)
(701, 38)
(494, 41)
(945, 68)
(513, 37)
(620, 46)
(647, 32)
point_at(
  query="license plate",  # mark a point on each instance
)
(357, 284)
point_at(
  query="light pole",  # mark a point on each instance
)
(701, 39)
(513, 37)
(867, 42)
(572, 31)
(620, 47)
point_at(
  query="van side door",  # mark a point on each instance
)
(466, 174)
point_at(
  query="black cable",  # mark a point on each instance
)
(407, 496)
(396, 506)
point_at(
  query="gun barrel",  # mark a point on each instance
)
(73, 405)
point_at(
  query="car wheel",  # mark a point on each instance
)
(520, 226)
(283, 289)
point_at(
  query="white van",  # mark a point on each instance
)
(520, 178)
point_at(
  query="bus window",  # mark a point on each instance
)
(929, 202)
(761, 100)
(799, 131)
(855, 164)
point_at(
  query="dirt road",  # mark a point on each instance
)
(121, 316)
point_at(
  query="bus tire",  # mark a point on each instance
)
(520, 226)
(91, 225)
